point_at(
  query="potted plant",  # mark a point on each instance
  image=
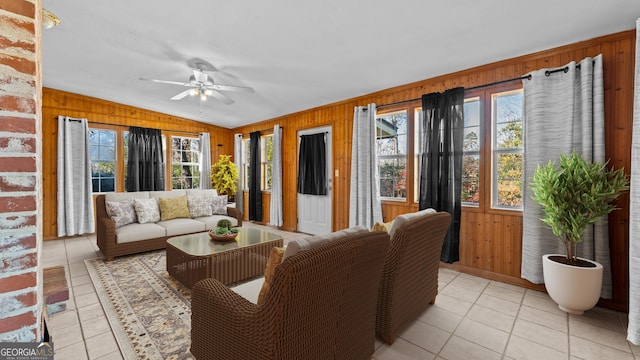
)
(224, 231)
(224, 176)
(574, 195)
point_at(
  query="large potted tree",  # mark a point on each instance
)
(224, 176)
(573, 196)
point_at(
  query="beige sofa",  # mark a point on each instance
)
(135, 237)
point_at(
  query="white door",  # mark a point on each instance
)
(314, 211)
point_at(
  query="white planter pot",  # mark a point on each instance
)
(575, 289)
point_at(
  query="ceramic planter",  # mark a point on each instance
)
(575, 289)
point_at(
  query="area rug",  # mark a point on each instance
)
(149, 312)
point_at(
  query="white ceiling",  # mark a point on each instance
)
(298, 54)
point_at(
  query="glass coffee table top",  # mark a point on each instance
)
(200, 244)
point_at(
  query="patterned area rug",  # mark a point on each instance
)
(149, 311)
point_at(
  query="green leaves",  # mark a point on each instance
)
(574, 195)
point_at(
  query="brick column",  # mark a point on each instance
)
(20, 177)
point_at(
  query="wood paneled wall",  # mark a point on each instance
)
(490, 241)
(56, 102)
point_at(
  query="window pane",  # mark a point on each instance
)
(471, 179)
(185, 168)
(508, 147)
(391, 144)
(509, 186)
(393, 177)
(102, 153)
(471, 158)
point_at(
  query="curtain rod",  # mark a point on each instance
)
(249, 133)
(471, 88)
(127, 126)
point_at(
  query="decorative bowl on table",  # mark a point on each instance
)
(222, 237)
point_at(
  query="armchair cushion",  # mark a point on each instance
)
(270, 271)
(402, 219)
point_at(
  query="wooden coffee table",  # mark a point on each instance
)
(191, 258)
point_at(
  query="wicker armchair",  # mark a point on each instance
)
(321, 305)
(409, 281)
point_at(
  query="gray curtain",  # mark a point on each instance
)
(364, 200)
(237, 158)
(633, 332)
(275, 214)
(441, 170)
(564, 111)
(205, 161)
(145, 163)
(75, 200)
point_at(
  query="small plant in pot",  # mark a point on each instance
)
(224, 231)
(573, 196)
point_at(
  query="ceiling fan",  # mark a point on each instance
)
(201, 84)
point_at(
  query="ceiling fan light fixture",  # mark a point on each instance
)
(203, 97)
(208, 92)
(49, 19)
(194, 92)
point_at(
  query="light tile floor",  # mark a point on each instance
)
(473, 318)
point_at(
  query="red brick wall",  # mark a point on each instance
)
(20, 179)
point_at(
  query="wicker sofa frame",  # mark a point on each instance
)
(321, 305)
(106, 234)
(409, 281)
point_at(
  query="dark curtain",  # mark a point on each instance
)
(145, 162)
(255, 192)
(441, 174)
(312, 165)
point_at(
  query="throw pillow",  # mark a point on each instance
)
(199, 206)
(121, 212)
(270, 271)
(219, 205)
(174, 208)
(147, 210)
(382, 226)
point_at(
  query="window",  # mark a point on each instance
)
(266, 153)
(102, 150)
(185, 162)
(493, 148)
(470, 195)
(391, 144)
(507, 149)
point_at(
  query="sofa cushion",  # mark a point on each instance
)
(219, 205)
(146, 210)
(201, 192)
(404, 218)
(199, 206)
(181, 226)
(122, 196)
(305, 244)
(270, 271)
(166, 194)
(122, 212)
(211, 222)
(136, 232)
(173, 208)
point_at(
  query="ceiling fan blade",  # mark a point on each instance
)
(220, 96)
(231, 88)
(166, 82)
(181, 95)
